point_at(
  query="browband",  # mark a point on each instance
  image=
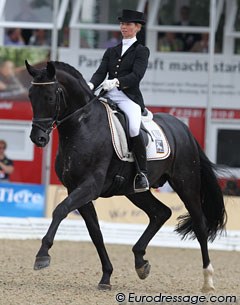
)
(47, 83)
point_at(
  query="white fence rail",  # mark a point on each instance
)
(113, 233)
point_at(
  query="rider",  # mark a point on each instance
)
(125, 65)
(6, 165)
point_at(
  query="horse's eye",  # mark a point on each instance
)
(49, 99)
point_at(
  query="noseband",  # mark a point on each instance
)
(52, 121)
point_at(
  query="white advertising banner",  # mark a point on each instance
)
(175, 79)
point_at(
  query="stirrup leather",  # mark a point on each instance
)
(140, 183)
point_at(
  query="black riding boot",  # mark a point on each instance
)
(141, 183)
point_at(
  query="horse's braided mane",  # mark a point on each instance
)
(75, 73)
(68, 68)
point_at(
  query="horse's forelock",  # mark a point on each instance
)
(42, 76)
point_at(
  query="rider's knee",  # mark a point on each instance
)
(134, 131)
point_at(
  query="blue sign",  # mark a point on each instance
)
(22, 200)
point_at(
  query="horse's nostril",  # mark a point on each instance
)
(41, 139)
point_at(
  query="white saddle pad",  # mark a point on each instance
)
(158, 147)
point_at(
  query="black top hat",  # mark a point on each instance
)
(132, 16)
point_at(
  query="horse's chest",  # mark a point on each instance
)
(65, 164)
(70, 164)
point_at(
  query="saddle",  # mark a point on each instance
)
(157, 146)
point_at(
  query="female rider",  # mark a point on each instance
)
(125, 65)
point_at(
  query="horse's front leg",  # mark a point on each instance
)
(90, 217)
(158, 214)
(76, 199)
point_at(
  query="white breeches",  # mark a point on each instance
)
(130, 108)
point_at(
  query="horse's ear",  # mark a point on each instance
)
(51, 71)
(31, 70)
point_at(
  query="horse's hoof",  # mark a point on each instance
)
(207, 289)
(42, 262)
(144, 271)
(104, 286)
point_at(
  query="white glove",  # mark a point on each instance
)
(90, 85)
(109, 84)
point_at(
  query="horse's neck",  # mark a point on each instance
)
(87, 128)
(74, 90)
(76, 115)
(73, 100)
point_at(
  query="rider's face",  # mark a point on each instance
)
(129, 29)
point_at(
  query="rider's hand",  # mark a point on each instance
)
(109, 84)
(90, 85)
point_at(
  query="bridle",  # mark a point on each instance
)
(55, 122)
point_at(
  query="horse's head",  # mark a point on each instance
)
(45, 95)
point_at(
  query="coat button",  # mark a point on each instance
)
(117, 66)
(119, 59)
(115, 73)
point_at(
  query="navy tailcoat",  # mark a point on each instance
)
(129, 69)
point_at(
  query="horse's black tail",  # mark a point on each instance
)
(212, 202)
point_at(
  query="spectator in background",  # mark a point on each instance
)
(10, 86)
(231, 188)
(14, 37)
(188, 39)
(6, 164)
(26, 34)
(39, 38)
(201, 45)
(169, 43)
(64, 37)
(114, 40)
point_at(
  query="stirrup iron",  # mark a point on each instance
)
(140, 186)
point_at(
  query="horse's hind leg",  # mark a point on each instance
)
(192, 201)
(90, 217)
(158, 214)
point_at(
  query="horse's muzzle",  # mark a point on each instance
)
(39, 137)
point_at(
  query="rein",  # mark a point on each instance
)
(55, 121)
(59, 122)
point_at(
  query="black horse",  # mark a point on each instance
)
(88, 167)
